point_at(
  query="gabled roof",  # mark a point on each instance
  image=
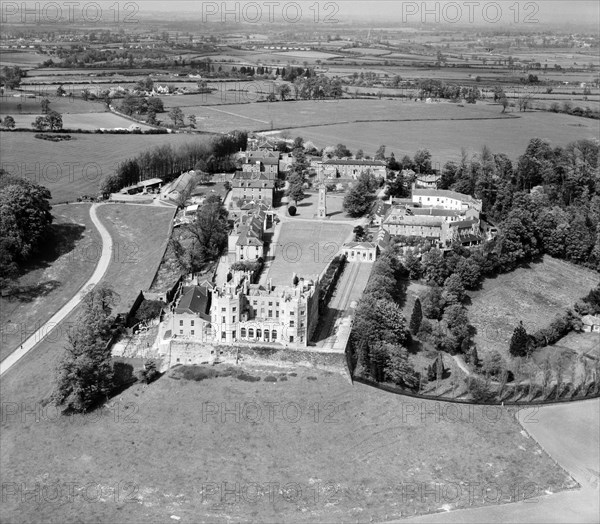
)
(360, 245)
(334, 161)
(195, 300)
(380, 208)
(418, 192)
(434, 212)
(462, 223)
(241, 179)
(266, 161)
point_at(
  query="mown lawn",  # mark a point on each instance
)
(53, 279)
(140, 236)
(324, 451)
(305, 248)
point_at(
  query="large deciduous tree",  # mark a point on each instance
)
(85, 374)
(25, 219)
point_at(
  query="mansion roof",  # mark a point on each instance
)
(333, 161)
(194, 300)
(444, 193)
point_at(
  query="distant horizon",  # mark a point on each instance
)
(444, 12)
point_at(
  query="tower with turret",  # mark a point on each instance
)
(322, 201)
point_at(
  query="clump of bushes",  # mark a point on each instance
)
(150, 372)
(53, 138)
(292, 210)
(479, 390)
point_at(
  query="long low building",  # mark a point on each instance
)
(335, 168)
(445, 199)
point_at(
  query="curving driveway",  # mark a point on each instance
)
(64, 311)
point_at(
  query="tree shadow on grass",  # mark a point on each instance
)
(30, 293)
(61, 239)
(400, 291)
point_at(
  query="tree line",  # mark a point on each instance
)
(167, 162)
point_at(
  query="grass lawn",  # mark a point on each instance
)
(534, 295)
(74, 168)
(445, 138)
(309, 207)
(140, 236)
(52, 280)
(326, 451)
(84, 121)
(305, 248)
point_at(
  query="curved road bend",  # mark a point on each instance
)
(64, 311)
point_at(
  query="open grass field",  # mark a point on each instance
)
(25, 58)
(84, 121)
(306, 248)
(140, 234)
(32, 106)
(534, 295)
(52, 281)
(74, 168)
(325, 451)
(445, 138)
(292, 114)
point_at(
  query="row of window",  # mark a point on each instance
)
(262, 309)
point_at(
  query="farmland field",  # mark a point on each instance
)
(445, 138)
(534, 295)
(73, 168)
(24, 59)
(64, 105)
(305, 248)
(292, 114)
(84, 121)
(325, 462)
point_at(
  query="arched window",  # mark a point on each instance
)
(258, 333)
(266, 334)
(243, 332)
(274, 335)
(250, 333)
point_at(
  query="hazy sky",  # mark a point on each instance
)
(394, 11)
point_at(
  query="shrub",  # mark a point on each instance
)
(292, 210)
(479, 390)
(150, 373)
(122, 374)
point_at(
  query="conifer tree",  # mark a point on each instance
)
(416, 317)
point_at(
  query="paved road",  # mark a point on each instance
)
(63, 312)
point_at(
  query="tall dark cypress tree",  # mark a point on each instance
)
(518, 342)
(416, 318)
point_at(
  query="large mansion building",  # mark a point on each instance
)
(240, 311)
(439, 215)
